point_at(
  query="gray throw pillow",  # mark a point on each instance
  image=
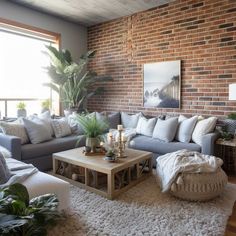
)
(37, 131)
(129, 121)
(114, 120)
(101, 116)
(165, 130)
(185, 128)
(4, 171)
(145, 126)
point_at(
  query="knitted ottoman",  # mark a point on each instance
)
(199, 186)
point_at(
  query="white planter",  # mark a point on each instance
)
(21, 113)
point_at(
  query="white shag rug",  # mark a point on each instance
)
(144, 210)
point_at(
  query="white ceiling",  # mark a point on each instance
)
(91, 12)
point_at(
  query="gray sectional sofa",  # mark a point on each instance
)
(40, 154)
(158, 147)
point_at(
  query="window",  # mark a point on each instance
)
(22, 68)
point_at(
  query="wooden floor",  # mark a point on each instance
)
(231, 225)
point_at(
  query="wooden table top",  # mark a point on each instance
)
(76, 157)
(231, 143)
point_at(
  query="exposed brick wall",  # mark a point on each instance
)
(200, 33)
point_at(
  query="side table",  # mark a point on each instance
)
(228, 154)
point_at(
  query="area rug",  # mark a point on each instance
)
(144, 210)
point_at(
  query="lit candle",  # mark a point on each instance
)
(123, 138)
(101, 144)
(119, 127)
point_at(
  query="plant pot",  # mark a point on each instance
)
(21, 113)
(92, 143)
(230, 125)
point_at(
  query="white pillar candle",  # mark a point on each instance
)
(119, 127)
(123, 138)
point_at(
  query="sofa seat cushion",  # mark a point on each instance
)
(31, 151)
(157, 146)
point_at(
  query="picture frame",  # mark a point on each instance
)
(162, 84)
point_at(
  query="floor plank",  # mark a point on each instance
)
(231, 225)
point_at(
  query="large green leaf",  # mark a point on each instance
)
(18, 190)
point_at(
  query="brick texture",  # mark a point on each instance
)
(200, 33)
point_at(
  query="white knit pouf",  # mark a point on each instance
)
(199, 186)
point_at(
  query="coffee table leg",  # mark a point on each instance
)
(110, 185)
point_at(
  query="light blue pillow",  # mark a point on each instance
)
(37, 131)
(146, 126)
(165, 130)
(4, 171)
(185, 129)
(129, 121)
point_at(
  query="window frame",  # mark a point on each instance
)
(28, 31)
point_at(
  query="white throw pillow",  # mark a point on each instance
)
(45, 118)
(185, 128)
(61, 127)
(165, 130)
(145, 126)
(15, 129)
(202, 128)
(37, 131)
(129, 121)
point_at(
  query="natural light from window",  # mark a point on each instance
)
(22, 72)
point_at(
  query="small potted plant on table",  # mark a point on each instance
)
(110, 155)
(93, 130)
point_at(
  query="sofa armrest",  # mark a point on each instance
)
(12, 144)
(208, 143)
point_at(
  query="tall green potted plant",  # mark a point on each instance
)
(73, 82)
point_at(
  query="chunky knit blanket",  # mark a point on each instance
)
(170, 165)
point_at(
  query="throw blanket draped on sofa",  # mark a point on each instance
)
(19, 171)
(172, 164)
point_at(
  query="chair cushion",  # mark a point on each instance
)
(157, 146)
(31, 151)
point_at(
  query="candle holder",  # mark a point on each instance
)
(121, 145)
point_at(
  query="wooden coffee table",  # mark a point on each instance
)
(93, 173)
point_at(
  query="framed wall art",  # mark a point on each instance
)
(162, 84)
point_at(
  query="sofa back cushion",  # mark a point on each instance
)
(165, 130)
(44, 118)
(37, 131)
(61, 127)
(185, 128)
(202, 128)
(145, 126)
(129, 121)
(4, 171)
(15, 129)
(114, 120)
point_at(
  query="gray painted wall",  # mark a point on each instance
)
(73, 36)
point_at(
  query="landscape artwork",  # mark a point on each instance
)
(162, 83)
